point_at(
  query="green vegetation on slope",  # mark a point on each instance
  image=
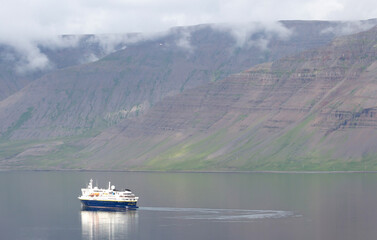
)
(189, 155)
(16, 125)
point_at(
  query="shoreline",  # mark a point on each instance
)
(182, 171)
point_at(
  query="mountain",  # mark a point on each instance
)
(313, 111)
(80, 98)
(192, 119)
(19, 67)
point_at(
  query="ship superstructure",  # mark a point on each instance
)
(107, 198)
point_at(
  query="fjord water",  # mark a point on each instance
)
(44, 205)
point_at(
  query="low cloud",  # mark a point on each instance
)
(31, 59)
(346, 28)
(183, 38)
(185, 41)
(111, 42)
(26, 25)
(91, 57)
(27, 55)
(255, 34)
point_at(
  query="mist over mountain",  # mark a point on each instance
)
(162, 90)
(312, 111)
(24, 63)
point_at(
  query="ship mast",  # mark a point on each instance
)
(90, 186)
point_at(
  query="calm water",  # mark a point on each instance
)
(186, 206)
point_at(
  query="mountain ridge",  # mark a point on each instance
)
(280, 126)
(83, 97)
(231, 119)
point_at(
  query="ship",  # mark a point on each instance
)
(94, 197)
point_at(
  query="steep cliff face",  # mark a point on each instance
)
(312, 111)
(81, 98)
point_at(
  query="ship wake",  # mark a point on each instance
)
(227, 215)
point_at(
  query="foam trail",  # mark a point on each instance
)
(222, 214)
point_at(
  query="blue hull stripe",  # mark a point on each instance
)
(113, 204)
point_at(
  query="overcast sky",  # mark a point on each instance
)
(44, 17)
(23, 22)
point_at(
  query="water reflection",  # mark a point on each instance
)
(107, 224)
